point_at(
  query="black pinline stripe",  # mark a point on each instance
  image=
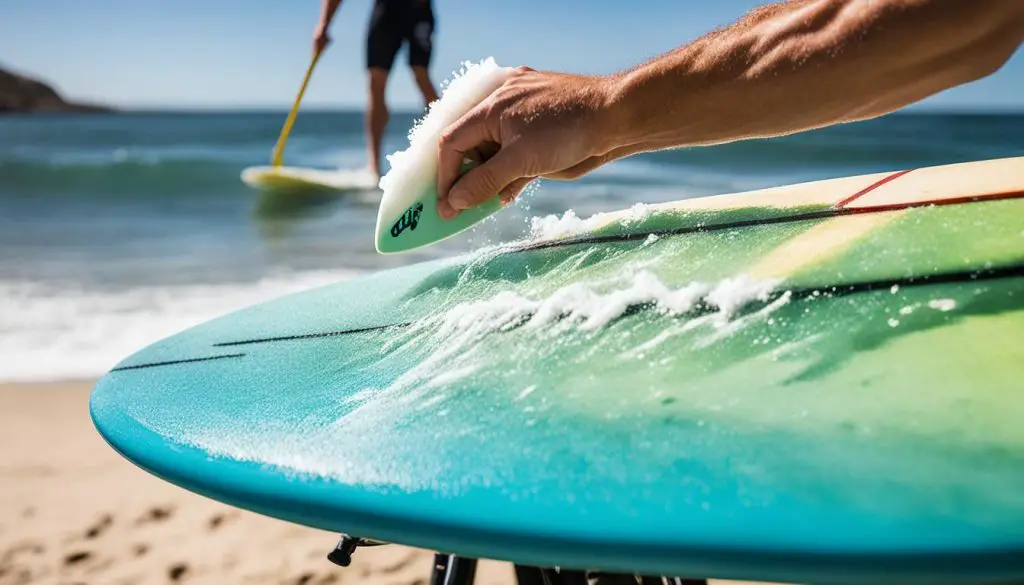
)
(181, 361)
(311, 335)
(1012, 271)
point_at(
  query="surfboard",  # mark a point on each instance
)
(819, 382)
(298, 179)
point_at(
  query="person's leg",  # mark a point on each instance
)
(376, 116)
(421, 47)
(383, 40)
(423, 82)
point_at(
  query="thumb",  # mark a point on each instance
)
(487, 180)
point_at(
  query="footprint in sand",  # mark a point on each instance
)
(76, 558)
(218, 519)
(156, 514)
(101, 526)
(87, 561)
(215, 521)
(400, 564)
(20, 548)
(13, 569)
(176, 572)
(311, 579)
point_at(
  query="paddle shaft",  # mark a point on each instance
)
(279, 147)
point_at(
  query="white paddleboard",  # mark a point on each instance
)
(284, 178)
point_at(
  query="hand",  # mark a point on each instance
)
(320, 39)
(536, 124)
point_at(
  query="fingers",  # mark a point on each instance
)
(487, 180)
(445, 210)
(461, 138)
(509, 193)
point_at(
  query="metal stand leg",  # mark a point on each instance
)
(461, 571)
(572, 577)
(440, 569)
(600, 578)
(529, 575)
(452, 569)
(526, 575)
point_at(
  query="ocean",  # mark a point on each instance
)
(118, 230)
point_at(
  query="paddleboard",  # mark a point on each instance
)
(818, 383)
(298, 179)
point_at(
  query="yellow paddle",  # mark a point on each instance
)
(279, 147)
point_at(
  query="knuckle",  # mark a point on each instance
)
(487, 179)
(446, 138)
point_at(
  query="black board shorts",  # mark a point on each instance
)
(394, 22)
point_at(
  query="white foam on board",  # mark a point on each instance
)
(551, 227)
(943, 305)
(349, 447)
(414, 170)
(581, 305)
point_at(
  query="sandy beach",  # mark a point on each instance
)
(72, 511)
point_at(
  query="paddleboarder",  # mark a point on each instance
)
(392, 23)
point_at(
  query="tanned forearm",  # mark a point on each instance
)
(805, 64)
(783, 68)
(327, 10)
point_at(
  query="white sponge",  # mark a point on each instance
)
(407, 217)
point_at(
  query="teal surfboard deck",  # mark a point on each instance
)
(856, 420)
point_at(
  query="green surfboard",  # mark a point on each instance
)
(813, 383)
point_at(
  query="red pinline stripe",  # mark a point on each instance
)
(871, 188)
(933, 202)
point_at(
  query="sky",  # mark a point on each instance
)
(197, 54)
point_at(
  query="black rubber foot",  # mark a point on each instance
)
(342, 553)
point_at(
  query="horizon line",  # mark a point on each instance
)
(323, 109)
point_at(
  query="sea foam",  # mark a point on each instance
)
(49, 333)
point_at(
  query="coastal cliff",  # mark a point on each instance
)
(20, 94)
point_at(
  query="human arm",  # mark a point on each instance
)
(321, 37)
(781, 69)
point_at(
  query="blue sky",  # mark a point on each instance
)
(253, 53)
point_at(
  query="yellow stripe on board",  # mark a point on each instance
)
(821, 242)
